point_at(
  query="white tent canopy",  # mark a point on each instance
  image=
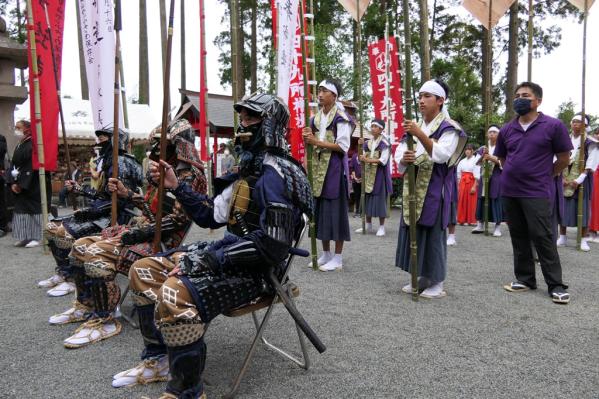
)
(79, 122)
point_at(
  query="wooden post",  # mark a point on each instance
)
(581, 157)
(487, 164)
(116, 109)
(530, 34)
(204, 96)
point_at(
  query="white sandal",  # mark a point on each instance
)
(146, 372)
(62, 289)
(78, 312)
(93, 331)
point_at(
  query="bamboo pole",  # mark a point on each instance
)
(59, 100)
(116, 109)
(164, 126)
(410, 142)
(361, 118)
(489, 84)
(309, 147)
(424, 42)
(38, 117)
(204, 96)
(581, 154)
(531, 12)
(311, 39)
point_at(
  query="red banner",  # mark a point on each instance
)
(296, 90)
(47, 83)
(393, 116)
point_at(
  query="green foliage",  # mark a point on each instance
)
(567, 110)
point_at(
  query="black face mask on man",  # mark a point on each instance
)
(522, 106)
(105, 147)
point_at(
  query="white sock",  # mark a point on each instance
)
(368, 226)
(562, 237)
(479, 225)
(450, 236)
(325, 257)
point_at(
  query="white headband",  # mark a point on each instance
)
(493, 129)
(433, 87)
(377, 124)
(578, 118)
(329, 86)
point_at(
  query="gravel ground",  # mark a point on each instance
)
(478, 342)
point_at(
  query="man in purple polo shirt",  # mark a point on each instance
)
(527, 147)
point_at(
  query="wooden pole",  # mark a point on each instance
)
(581, 157)
(309, 147)
(424, 42)
(38, 117)
(530, 34)
(164, 126)
(183, 55)
(489, 84)
(410, 142)
(204, 96)
(116, 110)
(59, 100)
(311, 39)
(234, 58)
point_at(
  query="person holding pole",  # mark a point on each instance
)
(533, 148)
(439, 144)
(495, 211)
(261, 207)
(330, 134)
(573, 177)
(92, 220)
(377, 176)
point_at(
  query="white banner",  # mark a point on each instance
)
(97, 34)
(580, 4)
(480, 10)
(351, 6)
(287, 11)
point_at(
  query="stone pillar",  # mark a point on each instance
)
(12, 55)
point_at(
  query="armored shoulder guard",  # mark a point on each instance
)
(297, 186)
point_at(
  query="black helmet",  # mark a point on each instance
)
(180, 144)
(275, 118)
(123, 137)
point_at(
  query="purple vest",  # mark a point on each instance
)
(382, 181)
(338, 168)
(494, 179)
(440, 188)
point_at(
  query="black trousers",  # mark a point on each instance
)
(357, 194)
(531, 220)
(3, 213)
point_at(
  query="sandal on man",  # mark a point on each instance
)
(93, 331)
(559, 295)
(516, 286)
(78, 312)
(146, 372)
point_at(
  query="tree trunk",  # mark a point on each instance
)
(82, 72)
(425, 60)
(163, 33)
(512, 64)
(144, 72)
(254, 49)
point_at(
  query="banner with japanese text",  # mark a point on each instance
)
(390, 110)
(290, 70)
(97, 34)
(47, 81)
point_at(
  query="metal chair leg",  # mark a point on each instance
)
(248, 357)
(305, 361)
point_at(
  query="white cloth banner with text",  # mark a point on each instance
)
(97, 35)
(286, 26)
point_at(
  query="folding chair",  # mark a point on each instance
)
(290, 291)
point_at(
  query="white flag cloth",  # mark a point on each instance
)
(580, 4)
(97, 34)
(480, 10)
(351, 6)
(286, 28)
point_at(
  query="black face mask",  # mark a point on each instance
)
(105, 148)
(522, 106)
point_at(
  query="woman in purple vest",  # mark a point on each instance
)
(439, 143)
(377, 153)
(330, 133)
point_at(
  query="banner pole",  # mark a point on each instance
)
(38, 119)
(116, 109)
(489, 83)
(581, 154)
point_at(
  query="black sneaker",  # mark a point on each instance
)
(560, 295)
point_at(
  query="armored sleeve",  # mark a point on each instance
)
(199, 207)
